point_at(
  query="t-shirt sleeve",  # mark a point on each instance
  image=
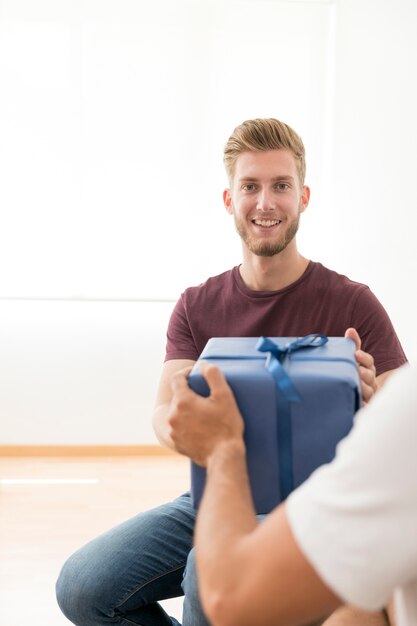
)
(355, 519)
(180, 341)
(376, 332)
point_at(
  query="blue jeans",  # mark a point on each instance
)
(119, 577)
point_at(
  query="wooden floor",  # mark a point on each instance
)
(45, 514)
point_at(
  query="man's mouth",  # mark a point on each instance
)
(266, 223)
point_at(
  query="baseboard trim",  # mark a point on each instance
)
(73, 450)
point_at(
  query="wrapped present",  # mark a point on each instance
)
(297, 397)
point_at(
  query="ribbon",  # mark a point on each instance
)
(287, 393)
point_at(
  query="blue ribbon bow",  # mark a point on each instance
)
(287, 393)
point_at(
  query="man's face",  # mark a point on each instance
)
(266, 200)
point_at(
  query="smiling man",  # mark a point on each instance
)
(120, 577)
(266, 200)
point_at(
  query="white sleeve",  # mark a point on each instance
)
(356, 518)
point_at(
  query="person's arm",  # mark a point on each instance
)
(248, 574)
(163, 399)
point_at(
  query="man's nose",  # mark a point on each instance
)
(264, 201)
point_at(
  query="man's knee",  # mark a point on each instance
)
(80, 594)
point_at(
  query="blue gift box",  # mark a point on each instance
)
(297, 397)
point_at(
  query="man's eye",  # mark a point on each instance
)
(248, 187)
(282, 186)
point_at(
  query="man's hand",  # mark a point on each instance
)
(366, 367)
(198, 426)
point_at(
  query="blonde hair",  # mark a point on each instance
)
(261, 135)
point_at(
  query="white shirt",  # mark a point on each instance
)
(355, 519)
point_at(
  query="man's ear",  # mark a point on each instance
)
(305, 198)
(227, 200)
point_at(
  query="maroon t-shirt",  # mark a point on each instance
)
(321, 301)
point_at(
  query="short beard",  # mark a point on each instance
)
(269, 248)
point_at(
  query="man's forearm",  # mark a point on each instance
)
(164, 398)
(227, 494)
(160, 426)
(226, 514)
(242, 565)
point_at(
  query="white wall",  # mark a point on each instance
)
(375, 154)
(80, 372)
(106, 212)
(113, 118)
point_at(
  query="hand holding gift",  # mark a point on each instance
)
(366, 367)
(199, 425)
